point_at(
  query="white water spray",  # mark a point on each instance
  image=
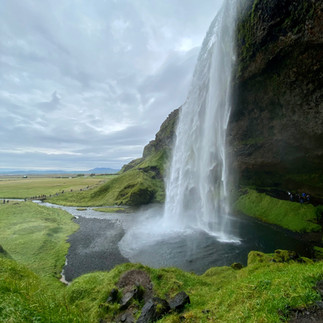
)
(196, 189)
(197, 196)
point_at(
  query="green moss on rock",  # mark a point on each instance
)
(257, 257)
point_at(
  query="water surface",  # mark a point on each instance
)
(105, 240)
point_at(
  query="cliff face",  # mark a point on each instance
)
(275, 132)
(276, 128)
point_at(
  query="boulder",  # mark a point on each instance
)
(126, 317)
(129, 296)
(153, 310)
(178, 302)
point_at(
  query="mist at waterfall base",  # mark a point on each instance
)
(197, 210)
(149, 242)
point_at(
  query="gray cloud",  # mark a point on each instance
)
(87, 84)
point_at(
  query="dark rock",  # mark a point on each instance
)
(113, 296)
(165, 136)
(319, 304)
(139, 279)
(147, 312)
(154, 310)
(178, 302)
(126, 318)
(236, 266)
(307, 315)
(162, 307)
(128, 297)
(276, 126)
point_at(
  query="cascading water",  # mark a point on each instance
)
(189, 231)
(196, 189)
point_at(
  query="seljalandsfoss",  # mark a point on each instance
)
(219, 218)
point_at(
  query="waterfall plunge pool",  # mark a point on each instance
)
(105, 240)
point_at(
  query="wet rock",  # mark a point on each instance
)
(126, 318)
(178, 302)
(113, 296)
(154, 310)
(148, 312)
(128, 297)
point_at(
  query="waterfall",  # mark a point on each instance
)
(196, 188)
(197, 198)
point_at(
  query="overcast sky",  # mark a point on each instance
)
(87, 83)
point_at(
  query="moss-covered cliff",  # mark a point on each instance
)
(276, 128)
(142, 180)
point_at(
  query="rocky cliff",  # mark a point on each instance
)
(276, 128)
(275, 133)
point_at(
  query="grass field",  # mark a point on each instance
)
(19, 187)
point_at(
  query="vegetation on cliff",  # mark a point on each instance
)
(275, 130)
(290, 215)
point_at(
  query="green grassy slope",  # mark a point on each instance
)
(26, 297)
(290, 215)
(261, 292)
(36, 236)
(141, 184)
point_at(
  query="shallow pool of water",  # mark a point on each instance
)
(105, 240)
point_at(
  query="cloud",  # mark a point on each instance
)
(93, 81)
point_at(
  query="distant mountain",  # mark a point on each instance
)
(57, 171)
(102, 170)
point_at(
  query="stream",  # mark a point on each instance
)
(105, 240)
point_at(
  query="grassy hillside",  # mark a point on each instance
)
(141, 184)
(262, 292)
(290, 215)
(36, 236)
